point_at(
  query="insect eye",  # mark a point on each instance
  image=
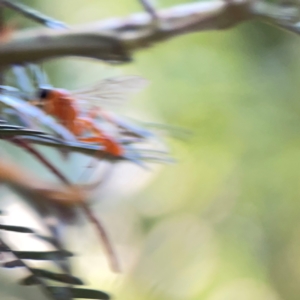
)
(43, 94)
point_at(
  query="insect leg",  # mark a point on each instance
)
(111, 146)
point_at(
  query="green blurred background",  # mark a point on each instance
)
(223, 222)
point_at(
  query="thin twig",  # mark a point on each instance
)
(80, 199)
(114, 264)
(32, 14)
(41, 158)
(42, 192)
(149, 7)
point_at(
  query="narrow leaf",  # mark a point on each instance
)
(57, 277)
(13, 264)
(16, 228)
(50, 255)
(82, 293)
(29, 280)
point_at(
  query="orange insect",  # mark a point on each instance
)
(77, 110)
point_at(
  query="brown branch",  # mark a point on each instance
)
(44, 196)
(27, 184)
(287, 18)
(60, 198)
(116, 39)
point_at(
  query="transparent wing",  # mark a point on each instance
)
(110, 91)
